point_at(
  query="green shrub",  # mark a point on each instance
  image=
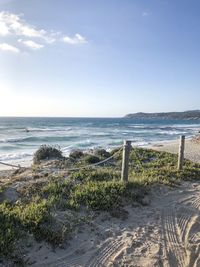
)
(145, 158)
(91, 159)
(9, 232)
(32, 214)
(15, 219)
(76, 154)
(101, 153)
(34, 217)
(96, 175)
(57, 193)
(118, 156)
(37, 218)
(46, 152)
(98, 195)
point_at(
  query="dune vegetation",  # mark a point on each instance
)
(51, 190)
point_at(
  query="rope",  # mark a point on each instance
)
(96, 164)
(11, 165)
(73, 169)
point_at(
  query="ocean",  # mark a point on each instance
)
(21, 137)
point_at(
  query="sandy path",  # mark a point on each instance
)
(165, 233)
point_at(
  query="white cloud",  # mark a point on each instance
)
(13, 25)
(77, 39)
(4, 29)
(10, 48)
(31, 44)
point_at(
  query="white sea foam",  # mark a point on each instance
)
(53, 129)
(14, 156)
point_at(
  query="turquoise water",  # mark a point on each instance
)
(20, 137)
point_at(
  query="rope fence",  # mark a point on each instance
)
(11, 165)
(98, 163)
(125, 159)
(72, 169)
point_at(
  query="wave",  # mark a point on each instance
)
(46, 139)
(167, 128)
(14, 156)
(190, 126)
(83, 134)
(57, 129)
(14, 140)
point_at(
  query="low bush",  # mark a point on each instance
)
(102, 153)
(96, 175)
(9, 233)
(76, 154)
(117, 152)
(57, 192)
(91, 159)
(46, 152)
(19, 219)
(97, 195)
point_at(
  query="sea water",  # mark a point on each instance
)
(21, 137)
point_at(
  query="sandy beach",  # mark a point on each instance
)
(192, 148)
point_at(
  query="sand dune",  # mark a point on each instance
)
(164, 233)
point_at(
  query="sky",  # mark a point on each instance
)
(98, 58)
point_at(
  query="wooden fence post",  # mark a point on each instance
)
(181, 152)
(125, 160)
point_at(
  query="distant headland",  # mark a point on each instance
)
(189, 115)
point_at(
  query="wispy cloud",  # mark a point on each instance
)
(14, 25)
(31, 44)
(77, 39)
(146, 13)
(8, 47)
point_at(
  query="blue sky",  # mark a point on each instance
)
(98, 57)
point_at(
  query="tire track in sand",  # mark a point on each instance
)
(181, 235)
(63, 262)
(173, 247)
(108, 250)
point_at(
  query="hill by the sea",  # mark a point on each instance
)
(189, 115)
